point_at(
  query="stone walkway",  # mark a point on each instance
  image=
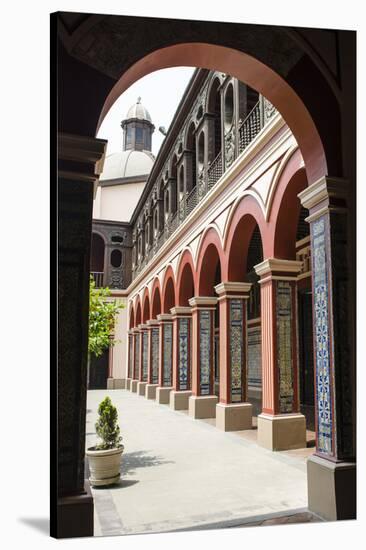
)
(183, 474)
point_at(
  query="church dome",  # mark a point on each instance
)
(138, 111)
(126, 164)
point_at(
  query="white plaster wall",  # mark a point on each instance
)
(120, 348)
(117, 202)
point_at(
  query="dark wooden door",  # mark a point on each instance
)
(98, 372)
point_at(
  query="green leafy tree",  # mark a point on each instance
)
(102, 319)
(106, 426)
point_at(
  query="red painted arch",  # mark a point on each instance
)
(246, 215)
(168, 293)
(155, 299)
(132, 317)
(209, 254)
(146, 306)
(285, 209)
(186, 283)
(246, 68)
(138, 311)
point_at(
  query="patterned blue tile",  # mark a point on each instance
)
(168, 354)
(137, 355)
(205, 351)
(284, 346)
(145, 337)
(183, 330)
(236, 350)
(155, 355)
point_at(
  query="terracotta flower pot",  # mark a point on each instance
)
(104, 465)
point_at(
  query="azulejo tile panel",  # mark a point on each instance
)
(236, 350)
(254, 357)
(168, 354)
(322, 363)
(137, 355)
(205, 321)
(155, 355)
(284, 345)
(183, 329)
(145, 337)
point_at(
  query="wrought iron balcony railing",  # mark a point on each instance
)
(98, 277)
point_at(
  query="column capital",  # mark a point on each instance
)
(152, 323)
(81, 158)
(324, 193)
(203, 302)
(135, 330)
(278, 269)
(181, 311)
(164, 317)
(143, 326)
(233, 289)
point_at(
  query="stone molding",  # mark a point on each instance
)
(164, 317)
(202, 301)
(272, 266)
(322, 190)
(223, 289)
(181, 311)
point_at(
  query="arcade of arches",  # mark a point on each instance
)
(247, 310)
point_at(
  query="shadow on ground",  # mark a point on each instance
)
(40, 524)
(141, 459)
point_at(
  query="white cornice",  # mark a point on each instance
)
(323, 189)
(180, 310)
(275, 265)
(164, 317)
(224, 288)
(199, 301)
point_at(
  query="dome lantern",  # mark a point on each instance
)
(137, 128)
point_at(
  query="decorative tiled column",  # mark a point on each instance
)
(165, 359)
(182, 320)
(136, 359)
(233, 412)
(332, 469)
(280, 425)
(144, 351)
(202, 403)
(129, 360)
(80, 161)
(153, 359)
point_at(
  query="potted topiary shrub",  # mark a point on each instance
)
(105, 457)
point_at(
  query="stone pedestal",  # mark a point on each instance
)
(75, 515)
(179, 400)
(234, 417)
(278, 433)
(133, 386)
(331, 488)
(116, 384)
(141, 388)
(162, 395)
(150, 391)
(203, 406)
(128, 383)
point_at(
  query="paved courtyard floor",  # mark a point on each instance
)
(182, 474)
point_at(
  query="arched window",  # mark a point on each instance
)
(181, 183)
(214, 108)
(166, 204)
(191, 147)
(201, 150)
(229, 107)
(173, 186)
(116, 258)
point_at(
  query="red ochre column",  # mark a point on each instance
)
(135, 361)
(182, 323)
(143, 360)
(110, 379)
(129, 360)
(332, 468)
(202, 403)
(233, 412)
(280, 425)
(153, 358)
(165, 358)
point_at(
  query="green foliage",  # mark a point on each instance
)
(106, 426)
(102, 319)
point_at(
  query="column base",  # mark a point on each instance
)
(331, 488)
(150, 391)
(202, 406)
(233, 417)
(133, 386)
(75, 515)
(128, 383)
(280, 433)
(179, 399)
(162, 395)
(141, 388)
(116, 384)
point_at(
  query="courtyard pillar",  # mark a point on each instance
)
(182, 321)
(136, 359)
(129, 360)
(144, 359)
(332, 469)
(165, 358)
(280, 425)
(80, 161)
(202, 403)
(233, 412)
(153, 359)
